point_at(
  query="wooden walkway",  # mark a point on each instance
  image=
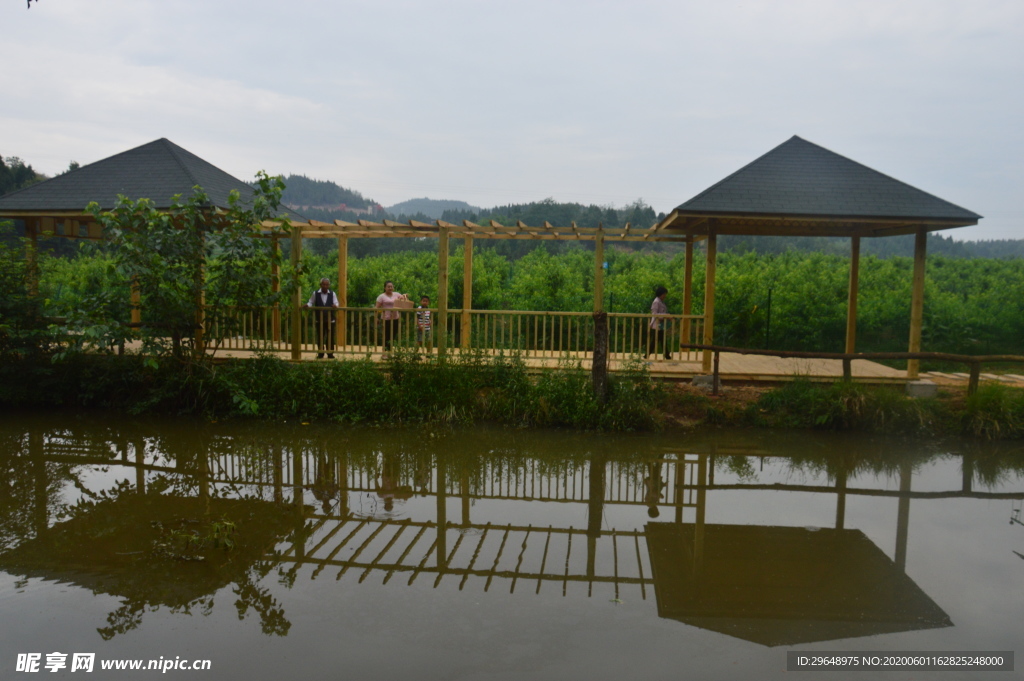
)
(732, 366)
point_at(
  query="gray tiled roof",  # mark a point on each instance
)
(799, 178)
(156, 171)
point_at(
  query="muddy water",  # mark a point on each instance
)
(323, 552)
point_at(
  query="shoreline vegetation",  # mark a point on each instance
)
(410, 388)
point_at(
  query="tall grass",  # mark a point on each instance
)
(407, 388)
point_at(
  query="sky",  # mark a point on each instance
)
(511, 102)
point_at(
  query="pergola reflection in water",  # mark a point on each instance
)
(365, 515)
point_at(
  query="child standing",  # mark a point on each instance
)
(423, 322)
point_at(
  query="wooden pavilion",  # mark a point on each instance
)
(796, 189)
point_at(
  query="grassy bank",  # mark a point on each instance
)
(475, 388)
(407, 388)
(994, 412)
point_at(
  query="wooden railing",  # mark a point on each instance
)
(359, 331)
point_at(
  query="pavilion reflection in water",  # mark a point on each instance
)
(770, 585)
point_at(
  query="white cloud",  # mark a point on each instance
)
(494, 102)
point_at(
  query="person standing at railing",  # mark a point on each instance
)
(656, 330)
(324, 301)
(423, 322)
(386, 304)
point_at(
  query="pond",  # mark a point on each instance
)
(324, 551)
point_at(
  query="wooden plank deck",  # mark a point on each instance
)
(732, 366)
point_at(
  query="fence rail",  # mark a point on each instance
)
(361, 331)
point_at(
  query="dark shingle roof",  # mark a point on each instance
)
(156, 171)
(799, 178)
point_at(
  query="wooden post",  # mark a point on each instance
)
(341, 290)
(917, 301)
(31, 257)
(687, 291)
(599, 368)
(136, 303)
(975, 379)
(296, 256)
(467, 291)
(199, 336)
(275, 287)
(709, 297)
(599, 273)
(441, 330)
(851, 299)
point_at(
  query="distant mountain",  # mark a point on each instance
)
(307, 195)
(432, 208)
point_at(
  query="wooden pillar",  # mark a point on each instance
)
(31, 256)
(599, 272)
(341, 290)
(275, 287)
(467, 292)
(441, 329)
(199, 337)
(296, 257)
(136, 302)
(687, 291)
(709, 297)
(851, 299)
(917, 301)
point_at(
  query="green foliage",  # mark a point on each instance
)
(23, 330)
(995, 411)
(845, 406)
(184, 260)
(16, 174)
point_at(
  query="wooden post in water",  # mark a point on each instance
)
(917, 301)
(441, 329)
(709, 296)
(442, 515)
(296, 255)
(841, 499)
(467, 291)
(341, 290)
(903, 517)
(851, 298)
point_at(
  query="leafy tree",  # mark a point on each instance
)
(189, 260)
(16, 174)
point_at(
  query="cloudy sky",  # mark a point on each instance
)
(501, 102)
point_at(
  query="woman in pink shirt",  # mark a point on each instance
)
(386, 303)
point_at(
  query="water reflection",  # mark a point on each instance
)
(112, 510)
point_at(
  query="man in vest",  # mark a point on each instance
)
(324, 319)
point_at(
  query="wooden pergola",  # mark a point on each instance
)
(796, 189)
(802, 189)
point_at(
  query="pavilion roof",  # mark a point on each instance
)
(157, 171)
(801, 188)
